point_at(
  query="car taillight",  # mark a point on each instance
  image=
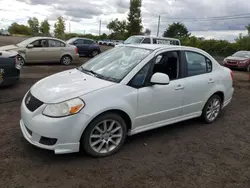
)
(76, 50)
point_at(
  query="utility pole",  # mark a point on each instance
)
(100, 27)
(159, 20)
(69, 26)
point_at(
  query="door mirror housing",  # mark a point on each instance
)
(30, 46)
(160, 79)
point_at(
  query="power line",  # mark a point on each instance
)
(215, 17)
(207, 19)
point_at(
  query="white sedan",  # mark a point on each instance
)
(121, 92)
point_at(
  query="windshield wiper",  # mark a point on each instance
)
(97, 75)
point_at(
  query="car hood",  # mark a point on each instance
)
(7, 54)
(8, 47)
(236, 58)
(67, 85)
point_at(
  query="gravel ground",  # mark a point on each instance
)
(185, 155)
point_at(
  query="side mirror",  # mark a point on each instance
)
(160, 79)
(30, 46)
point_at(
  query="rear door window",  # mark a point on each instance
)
(56, 43)
(88, 42)
(197, 63)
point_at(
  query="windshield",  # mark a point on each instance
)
(116, 63)
(133, 40)
(242, 54)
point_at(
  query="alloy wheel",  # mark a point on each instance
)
(213, 109)
(248, 68)
(95, 53)
(66, 60)
(106, 136)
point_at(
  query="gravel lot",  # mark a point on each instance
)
(188, 154)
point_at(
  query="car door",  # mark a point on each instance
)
(37, 53)
(157, 103)
(198, 82)
(55, 50)
(79, 44)
(86, 46)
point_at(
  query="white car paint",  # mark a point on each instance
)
(148, 107)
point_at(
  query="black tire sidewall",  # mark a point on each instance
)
(92, 54)
(204, 116)
(85, 145)
(64, 57)
(248, 68)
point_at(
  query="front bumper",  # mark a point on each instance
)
(64, 132)
(238, 66)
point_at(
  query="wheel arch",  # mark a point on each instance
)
(220, 94)
(120, 112)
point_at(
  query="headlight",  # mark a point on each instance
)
(65, 108)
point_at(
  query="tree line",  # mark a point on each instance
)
(34, 28)
(132, 25)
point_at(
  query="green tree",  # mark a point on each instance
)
(16, 28)
(134, 25)
(34, 25)
(45, 27)
(177, 30)
(118, 28)
(59, 27)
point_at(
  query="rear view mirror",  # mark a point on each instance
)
(30, 46)
(160, 79)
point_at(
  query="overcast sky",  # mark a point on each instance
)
(84, 15)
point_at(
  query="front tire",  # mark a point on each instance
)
(21, 59)
(212, 109)
(104, 136)
(248, 68)
(66, 60)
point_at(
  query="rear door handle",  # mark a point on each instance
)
(210, 80)
(179, 87)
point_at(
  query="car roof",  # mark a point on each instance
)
(159, 46)
(83, 38)
(152, 36)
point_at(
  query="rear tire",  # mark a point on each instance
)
(212, 109)
(104, 136)
(66, 60)
(95, 53)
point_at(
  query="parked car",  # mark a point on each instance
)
(142, 39)
(123, 91)
(43, 50)
(239, 60)
(4, 33)
(85, 46)
(9, 68)
(100, 42)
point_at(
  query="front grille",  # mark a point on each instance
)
(232, 62)
(32, 103)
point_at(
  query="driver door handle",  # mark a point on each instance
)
(179, 87)
(211, 80)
